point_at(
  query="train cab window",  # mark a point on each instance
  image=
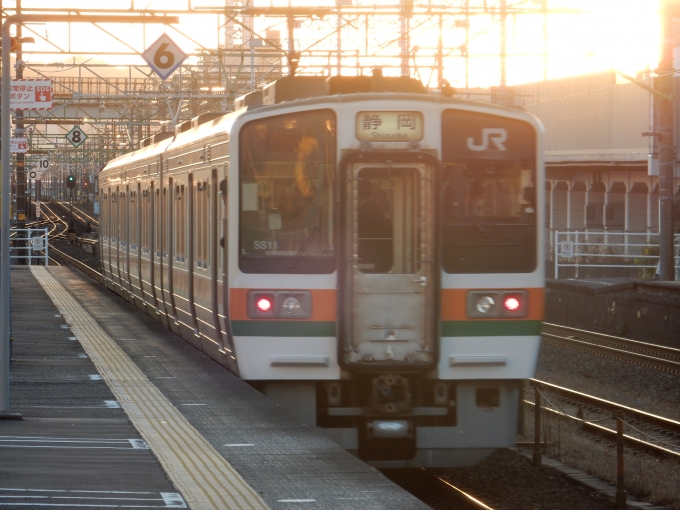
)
(287, 168)
(489, 219)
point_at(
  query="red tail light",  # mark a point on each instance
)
(264, 304)
(511, 304)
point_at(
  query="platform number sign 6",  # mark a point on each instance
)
(76, 136)
(164, 56)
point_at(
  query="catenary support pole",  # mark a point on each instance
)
(666, 141)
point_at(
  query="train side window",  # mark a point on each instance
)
(180, 223)
(222, 211)
(106, 214)
(123, 220)
(198, 225)
(133, 220)
(113, 227)
(146, 202)
(157, 223)
(166, 234)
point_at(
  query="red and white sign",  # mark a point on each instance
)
(18, 144)
(30, 94)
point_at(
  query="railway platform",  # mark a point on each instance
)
(119, 413)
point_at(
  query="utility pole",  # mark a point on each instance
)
(664, 108)
(22, 205)
(5, 134)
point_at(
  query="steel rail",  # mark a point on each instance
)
(66, 260)
(658, 357)
(79, 213)
(663, 433)
(466, 499)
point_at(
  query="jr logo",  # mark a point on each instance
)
(495, 135)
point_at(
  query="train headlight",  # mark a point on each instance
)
(291, 305)
(485, 304)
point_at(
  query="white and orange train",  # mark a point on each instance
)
(369, 256)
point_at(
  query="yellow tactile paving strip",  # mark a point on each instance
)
(200, 473)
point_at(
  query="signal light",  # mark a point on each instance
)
(14, 42)
(70, 182)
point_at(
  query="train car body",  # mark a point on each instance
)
(371, 261)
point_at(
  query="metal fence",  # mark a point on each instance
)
(603, 254)
(29, 246)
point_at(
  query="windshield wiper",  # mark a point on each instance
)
(298, 256)
(484, 232)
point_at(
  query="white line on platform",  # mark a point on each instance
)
(239, 444)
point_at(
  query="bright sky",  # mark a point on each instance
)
(594, 36)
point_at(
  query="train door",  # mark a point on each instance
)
(389, 306)
(159, 235)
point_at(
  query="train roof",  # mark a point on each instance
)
(303, 91)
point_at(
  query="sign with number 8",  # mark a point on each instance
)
(164, 56)
(76, 136)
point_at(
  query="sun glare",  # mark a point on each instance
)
(581, 36)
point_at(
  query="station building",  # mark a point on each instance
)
(601, 160)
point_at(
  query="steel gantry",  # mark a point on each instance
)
(118, 101)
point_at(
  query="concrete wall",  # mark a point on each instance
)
(621, 307)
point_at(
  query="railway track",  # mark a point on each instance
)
(61, 258)
(642, 430)
(58, 228)
(434, 490)
(78, 214)
(657, 357)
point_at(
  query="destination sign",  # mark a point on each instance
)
(389, 126)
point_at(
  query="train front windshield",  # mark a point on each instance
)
(287, 167)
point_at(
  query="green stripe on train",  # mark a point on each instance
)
(283, 328)
(491, 328)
